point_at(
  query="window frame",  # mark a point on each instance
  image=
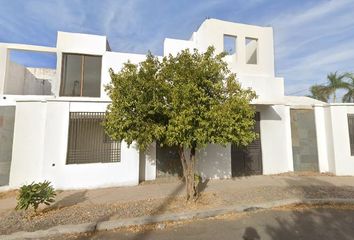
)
(234, 40)
(257, 50)
(62, 82)
(350, 119)
(111, 150)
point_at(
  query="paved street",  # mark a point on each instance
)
(313, 224)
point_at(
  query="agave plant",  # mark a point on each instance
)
(35, 194)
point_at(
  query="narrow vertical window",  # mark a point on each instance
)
(351, 133)
(251, 50)
(230, 44)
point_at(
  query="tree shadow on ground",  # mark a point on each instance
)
(152, 216)
(203, 185)
(315, 222)
(162, 207)
(68, 201)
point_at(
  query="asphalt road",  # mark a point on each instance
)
(313, 224)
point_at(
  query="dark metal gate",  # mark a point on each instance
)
(248, 160)
(88, 142)
(168, 163)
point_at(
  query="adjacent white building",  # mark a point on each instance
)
(50, 118)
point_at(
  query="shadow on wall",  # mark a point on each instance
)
(268, 112)
(168, 162)
(214, 161)
(23, 80)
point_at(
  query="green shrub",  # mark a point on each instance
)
(35, 194)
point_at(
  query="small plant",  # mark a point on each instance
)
(35, 194)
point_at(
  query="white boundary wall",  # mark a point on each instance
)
(333, 138)
(40, 147)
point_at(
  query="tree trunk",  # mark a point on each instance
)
(188, 173)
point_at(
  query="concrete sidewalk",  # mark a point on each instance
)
(228, 188)
(151, 201)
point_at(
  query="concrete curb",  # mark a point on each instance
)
(200, 214)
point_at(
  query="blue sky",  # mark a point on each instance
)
(312, 37)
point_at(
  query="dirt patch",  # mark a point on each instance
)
(8, 194)
(162, 180)
(302, 206)
(303, 174)
(14, 221)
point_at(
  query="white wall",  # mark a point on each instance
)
(115, 61)
(81, 43)
(324, 139)
(15, 79)
(21, 80)
(40, 147)
(28, 143)
(174, 46)
(260, 77)
(147, 168)
(275, 139)
(39, 81)
(125, 172)
(4, 56)
(214, 161)
(77, 43)
(343, 161)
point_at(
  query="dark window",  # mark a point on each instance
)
(81, 75)
(88, 142)
(351, 132)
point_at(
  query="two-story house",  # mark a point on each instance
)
(50, 119)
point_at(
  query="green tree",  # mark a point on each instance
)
(189, 101)
(349, 95)
(335, 82)
(319, 92)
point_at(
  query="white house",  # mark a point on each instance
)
(50, 118)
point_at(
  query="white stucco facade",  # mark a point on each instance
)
(41, 128)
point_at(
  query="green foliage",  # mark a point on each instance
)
(335, 81)
(35, 194)
(349, 95)
(188, 100)
(319, 92)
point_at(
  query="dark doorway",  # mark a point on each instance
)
(247, 161)
(168, 163)
(304, 140)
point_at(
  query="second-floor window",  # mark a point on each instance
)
(81, 75)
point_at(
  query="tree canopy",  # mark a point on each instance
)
(188, 100)
(335, 81)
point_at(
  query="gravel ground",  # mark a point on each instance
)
(310, 213)
(12, 221)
